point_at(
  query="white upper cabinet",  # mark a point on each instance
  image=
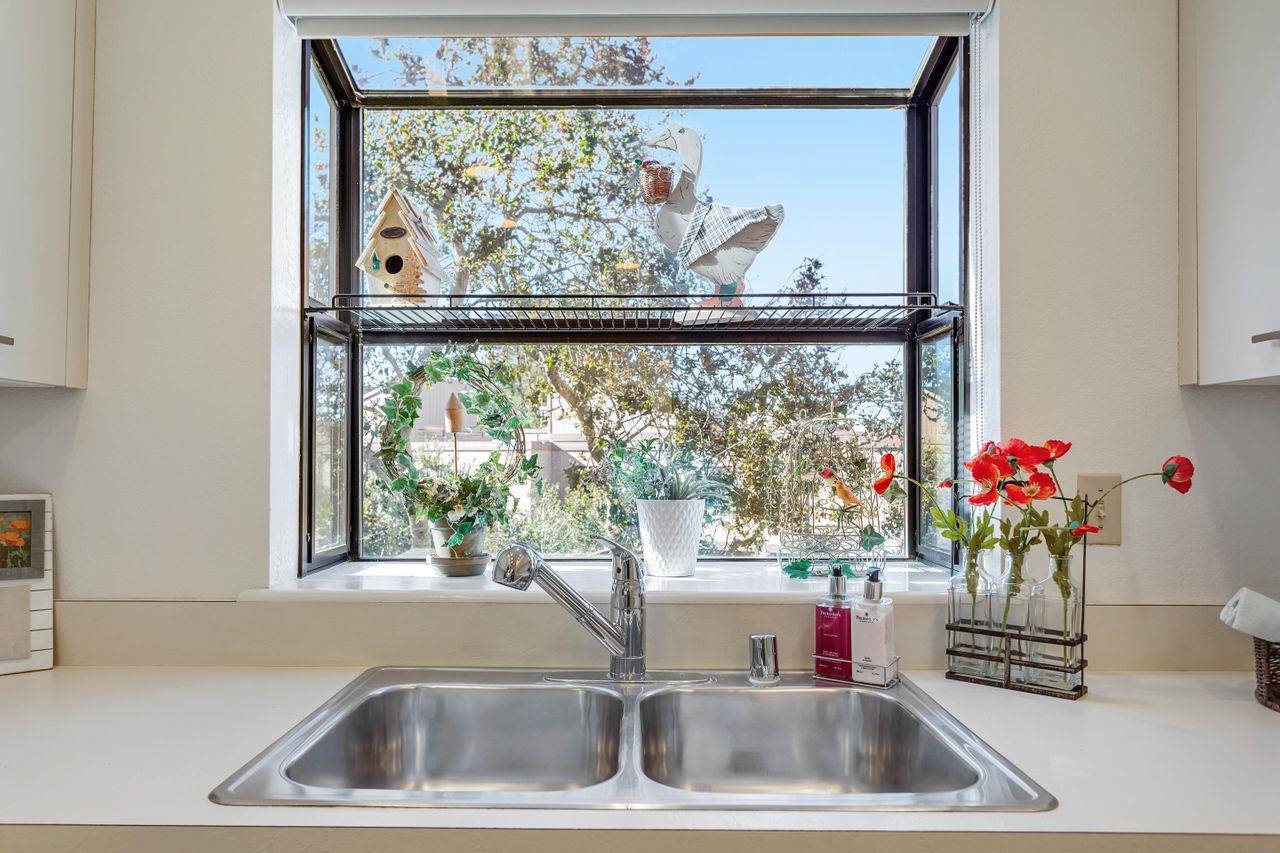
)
(46, 59)
(1230, 192)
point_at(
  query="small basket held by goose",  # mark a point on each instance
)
(656, 181)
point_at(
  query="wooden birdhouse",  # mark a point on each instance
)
(401, 253)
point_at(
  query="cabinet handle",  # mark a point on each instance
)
(1267, 336)
(6, 340)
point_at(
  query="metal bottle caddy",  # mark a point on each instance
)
(882, 677)
(806, 534)
(1008, 659)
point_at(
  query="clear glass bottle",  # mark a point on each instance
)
(1010, 612)
(1056, 611)
(969, 604)
(994, 569)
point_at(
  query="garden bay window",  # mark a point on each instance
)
(523, 153)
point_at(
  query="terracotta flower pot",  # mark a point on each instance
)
(472, 545)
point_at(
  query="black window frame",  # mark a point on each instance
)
(948, 56)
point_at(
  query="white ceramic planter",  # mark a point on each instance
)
(669, 534)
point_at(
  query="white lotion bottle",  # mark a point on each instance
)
(874, 659)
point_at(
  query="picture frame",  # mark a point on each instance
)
(26, 583)
(22, 538)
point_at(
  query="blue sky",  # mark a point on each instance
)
(838, 173)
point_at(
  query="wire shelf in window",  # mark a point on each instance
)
(854, 314)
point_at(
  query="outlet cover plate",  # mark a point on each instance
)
(1107, 516)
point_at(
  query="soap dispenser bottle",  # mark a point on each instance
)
(874, 661)
(832, 621)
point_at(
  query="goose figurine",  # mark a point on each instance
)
(715, 241)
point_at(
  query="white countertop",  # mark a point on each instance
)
(728, 581)
(1142, 753)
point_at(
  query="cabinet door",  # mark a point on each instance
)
(37, 56)
(1238, 189)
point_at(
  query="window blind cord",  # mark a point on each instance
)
(976, 303)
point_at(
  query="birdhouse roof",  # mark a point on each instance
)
(397, 202)
(427, 259)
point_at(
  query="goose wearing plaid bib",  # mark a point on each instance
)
(715, 241)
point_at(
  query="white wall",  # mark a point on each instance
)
(160, 469)
(1088, 307)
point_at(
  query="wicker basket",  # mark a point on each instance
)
(1267, 657)
(656, 182)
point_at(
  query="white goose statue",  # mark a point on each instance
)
(715, 241)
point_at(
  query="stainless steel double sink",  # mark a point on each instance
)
(516, 739)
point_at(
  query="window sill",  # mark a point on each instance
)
(716, 582)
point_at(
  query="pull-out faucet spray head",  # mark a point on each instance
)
(516, 566)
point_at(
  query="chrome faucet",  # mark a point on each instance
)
(622, 633)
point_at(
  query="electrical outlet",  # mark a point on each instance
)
(1106, 517)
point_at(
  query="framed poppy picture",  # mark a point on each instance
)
(22, 539)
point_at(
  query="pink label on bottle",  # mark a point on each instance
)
(831, 640)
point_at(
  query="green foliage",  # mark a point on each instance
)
(465, 500)
(641, 473)
(798, 568)
(1057, 537)
(565, 524)
(975, 535)
(870, 538)
(567, 179)
(1016, 539)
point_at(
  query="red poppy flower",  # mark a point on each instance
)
(985, 498)
(985, 473)
(1057, 449)
(1026, 456)
(945, 484)
(1039, 487)
(989, 465)
(888, 465)
(1177, 472)
(826, 473)
(992, 453)
(1084, 530)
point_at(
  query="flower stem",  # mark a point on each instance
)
(1103, 496)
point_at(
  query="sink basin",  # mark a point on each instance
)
(459, 738)
(800, 740)
(400, 736)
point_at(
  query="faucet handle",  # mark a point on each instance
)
(764, 659)
(626, 565)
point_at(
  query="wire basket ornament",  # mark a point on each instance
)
(487, 399)
(656, 181)
(829, 514)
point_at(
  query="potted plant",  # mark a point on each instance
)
(459, 506)
(671, 506)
